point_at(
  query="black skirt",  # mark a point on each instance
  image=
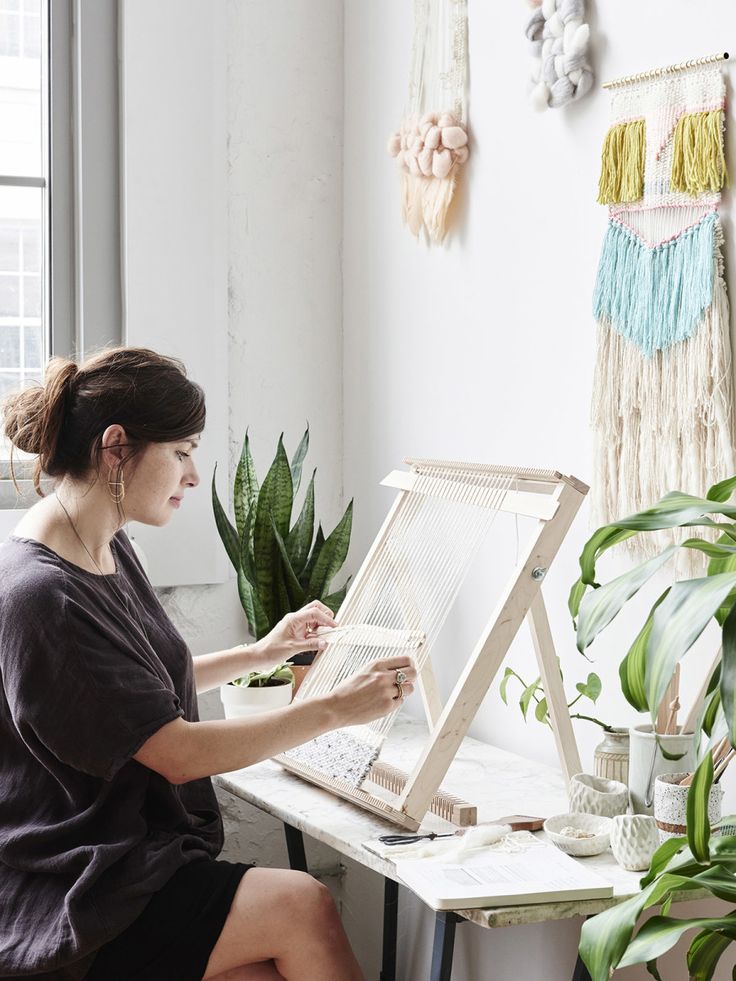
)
(175, 934)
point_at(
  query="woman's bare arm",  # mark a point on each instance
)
(182, 751)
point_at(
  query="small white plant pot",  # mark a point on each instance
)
(596, 795)
(634, 839)
(670, 805)
(239, 702)
(647, 762)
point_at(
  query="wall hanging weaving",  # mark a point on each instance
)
(431, 144)
(398, 602)
(558, 39)
(662, 403)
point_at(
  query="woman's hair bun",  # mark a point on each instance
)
(33, 418)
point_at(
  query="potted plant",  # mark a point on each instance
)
(698, 861)
(611, 756)
(281, 564)
(258, 691)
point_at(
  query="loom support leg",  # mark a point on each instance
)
(390, 919)
(444, 945)
(295, 848)
(581, 971)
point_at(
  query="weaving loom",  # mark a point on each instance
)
(399, 601)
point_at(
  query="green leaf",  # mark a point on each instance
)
(540, 712)
(300, 536)
(600, 607)
(245, 490)
(332, 555)
(722, 491)
(698, 825)
(577, 592)
(527, 695)
(604, 938)
(599, 542)
(716, 550)
(507, 675)
(298, 460)
(678, 621)
(228, 534)
(293, 587)
(591, 688)
(661, 933)
(335, 600)
(728, 673)
(319, 541)
(250, 601)
(632, 670)
(704, 954)
(273, 507)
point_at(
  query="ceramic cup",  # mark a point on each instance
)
(595, 795)
(647, 762)
(670, 805)
(634, 839)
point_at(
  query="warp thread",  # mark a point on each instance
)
(559, 44)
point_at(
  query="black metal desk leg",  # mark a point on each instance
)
(581, 971)
(295, 848)
(390, 917)
(444, 945)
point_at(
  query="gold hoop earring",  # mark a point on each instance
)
(116, 488)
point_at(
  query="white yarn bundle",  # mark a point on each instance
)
(559, 43)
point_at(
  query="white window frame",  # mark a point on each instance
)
(83, 306)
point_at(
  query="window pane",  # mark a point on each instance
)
(20, 94)
(9, 246)
(33, 349)
(32, 247)
(9, 296)
(9, 382)
(32, 297)
(9, 346)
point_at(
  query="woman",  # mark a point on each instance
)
(109, 826)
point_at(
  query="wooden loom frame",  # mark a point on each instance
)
(554, 500)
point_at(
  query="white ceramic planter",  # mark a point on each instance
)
(239, 702)
(647, 762)
(634, 839)
(670, 805)
(594, 795)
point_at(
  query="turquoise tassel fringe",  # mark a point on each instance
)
(656, 297)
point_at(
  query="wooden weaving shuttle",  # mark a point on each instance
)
(521, 822)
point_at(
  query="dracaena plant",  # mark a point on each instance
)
(281, 564)
(675, 621)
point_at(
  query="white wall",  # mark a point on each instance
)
(483, 349)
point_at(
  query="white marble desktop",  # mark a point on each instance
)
(499, 783)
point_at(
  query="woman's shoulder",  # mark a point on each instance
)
(30, 575)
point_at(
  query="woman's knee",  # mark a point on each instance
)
(308, 898)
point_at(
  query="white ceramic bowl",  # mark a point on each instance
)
(596, 795)
(579, 847)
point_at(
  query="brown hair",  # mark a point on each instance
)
(62, 421)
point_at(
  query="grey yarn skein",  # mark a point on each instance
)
(559, 43)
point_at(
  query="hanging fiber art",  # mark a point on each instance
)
(558, 38)
(662, 399)
(431, 144)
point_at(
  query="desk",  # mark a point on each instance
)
(496, 781)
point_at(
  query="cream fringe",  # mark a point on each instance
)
(425, 203)
(662, 423)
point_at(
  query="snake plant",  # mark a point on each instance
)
(281, 564)
(677, 618)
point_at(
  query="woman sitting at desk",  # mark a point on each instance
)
(109, 825)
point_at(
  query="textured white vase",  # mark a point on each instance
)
(670, 805)
(634, 839)
(594, 795)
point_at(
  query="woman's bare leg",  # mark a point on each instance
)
(290, 919)
(253, 972)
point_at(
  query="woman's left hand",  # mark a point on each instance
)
(296, 632)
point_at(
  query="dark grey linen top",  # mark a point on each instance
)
(87, 834)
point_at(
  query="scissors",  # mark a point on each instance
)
(410, 839)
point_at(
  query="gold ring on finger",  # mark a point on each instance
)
(400, 689)
(401, 678)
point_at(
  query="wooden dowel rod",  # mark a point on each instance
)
(667, 70)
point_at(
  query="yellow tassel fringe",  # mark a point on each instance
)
(698, 161)
(622, 164)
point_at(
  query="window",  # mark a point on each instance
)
(24, 197)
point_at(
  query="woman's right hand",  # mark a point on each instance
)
(373, 692)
